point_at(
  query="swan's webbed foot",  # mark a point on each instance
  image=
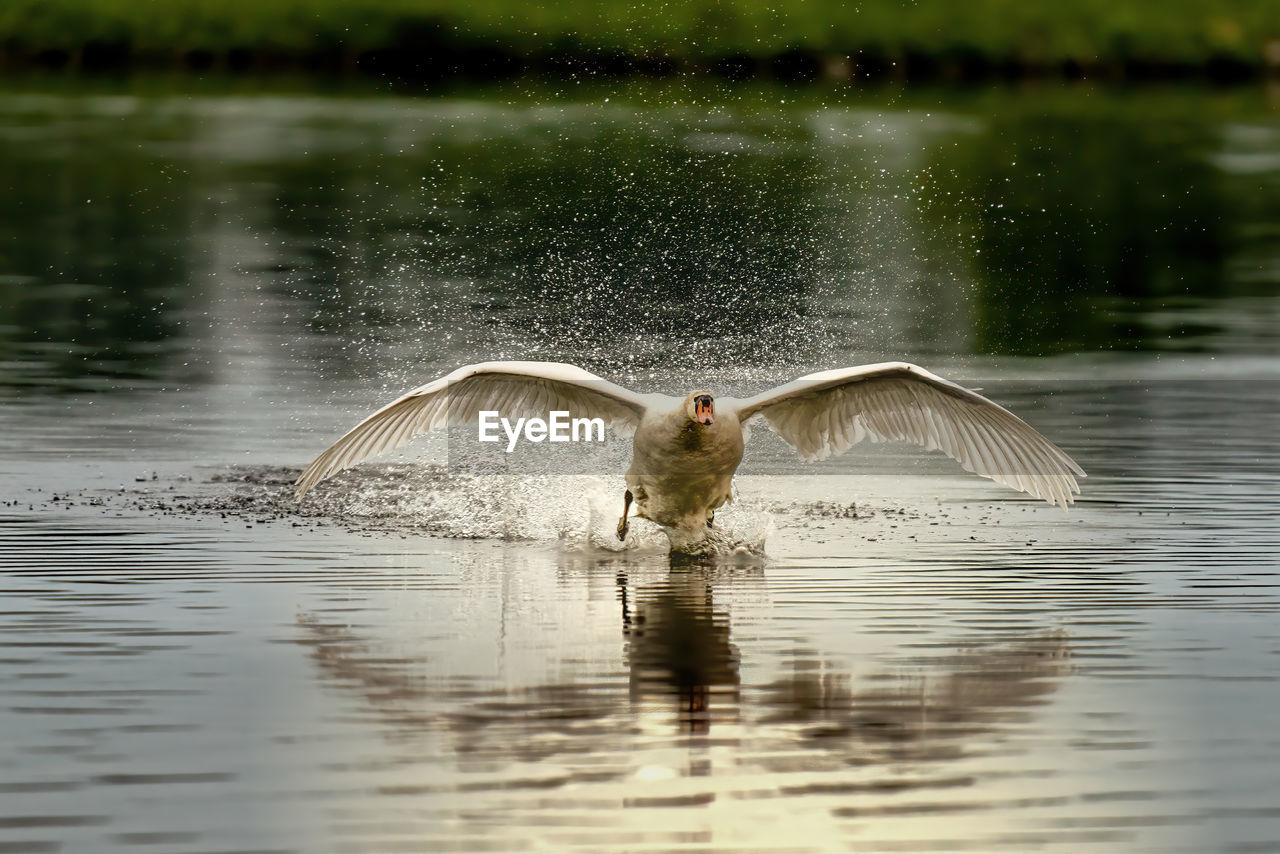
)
(622, 523)
(711, 519)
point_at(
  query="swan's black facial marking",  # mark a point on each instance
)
(704, 410)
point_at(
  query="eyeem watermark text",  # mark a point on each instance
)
(561, 428)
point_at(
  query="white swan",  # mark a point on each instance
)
(685, 451)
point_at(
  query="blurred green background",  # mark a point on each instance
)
(699, 225)
(806, 37)
(565, 206)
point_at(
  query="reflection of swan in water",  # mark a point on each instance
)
(686, 450)
(529, 724)
(920, 717)
(678, 644)
(680, 658)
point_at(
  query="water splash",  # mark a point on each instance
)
(579, 512)
(739, 532)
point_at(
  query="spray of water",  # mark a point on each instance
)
(578, 512)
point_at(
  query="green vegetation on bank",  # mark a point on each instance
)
(1083, 33)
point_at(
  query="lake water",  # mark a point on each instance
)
(199, 291)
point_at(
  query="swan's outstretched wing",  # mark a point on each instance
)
(514, 389)
(827, 413)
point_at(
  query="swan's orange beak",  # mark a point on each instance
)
(704, 410)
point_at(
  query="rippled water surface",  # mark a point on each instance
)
(199, 293)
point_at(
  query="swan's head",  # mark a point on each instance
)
(701, 408)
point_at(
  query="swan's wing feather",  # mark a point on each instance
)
(515, 389)
(827, 413)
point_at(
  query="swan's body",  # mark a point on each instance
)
(685, 451)
(681, 471)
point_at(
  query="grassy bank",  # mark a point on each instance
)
(811, 37)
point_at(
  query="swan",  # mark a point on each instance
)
(686, 450)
